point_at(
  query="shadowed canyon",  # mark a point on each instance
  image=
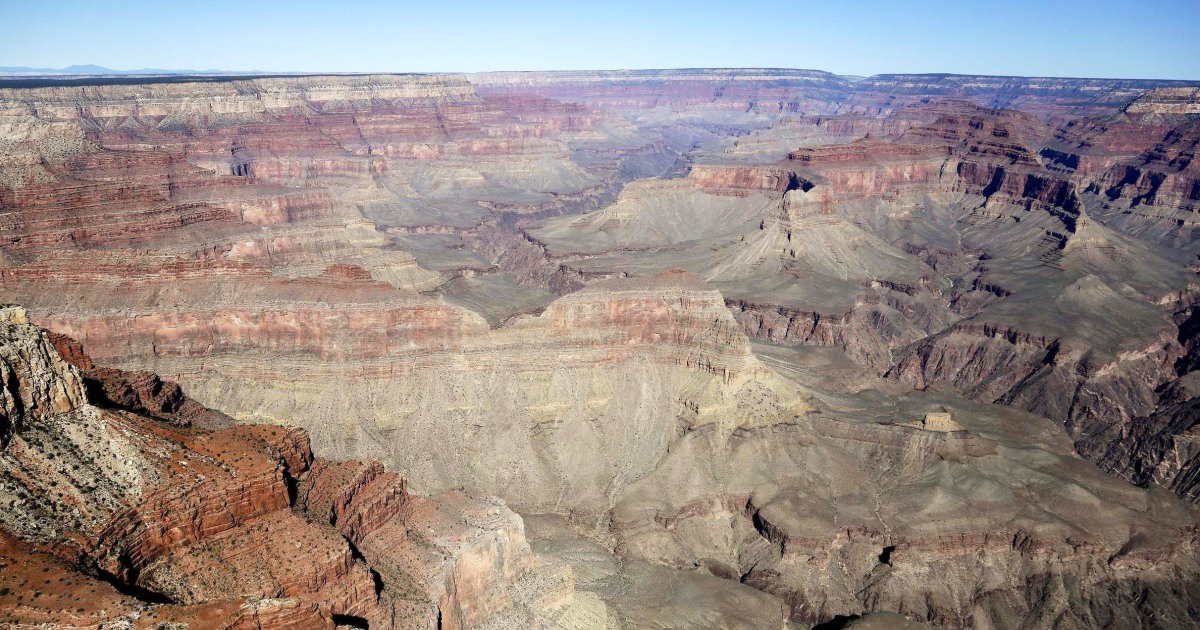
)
(752, 348)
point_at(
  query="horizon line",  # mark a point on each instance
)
(11, 73)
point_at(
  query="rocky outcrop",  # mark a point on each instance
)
(137, 518)
(142, 392)
(35, 382)
(471, 554)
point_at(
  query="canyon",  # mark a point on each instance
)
(751, 348)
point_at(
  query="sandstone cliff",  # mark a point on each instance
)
(143, 522)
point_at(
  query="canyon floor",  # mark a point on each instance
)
(749, 348)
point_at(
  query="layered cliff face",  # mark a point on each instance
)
(188, 521)
(596, 296)
(32, 389)
(422, 385)
(115, 517)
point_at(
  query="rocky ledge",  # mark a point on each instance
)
(122, 515)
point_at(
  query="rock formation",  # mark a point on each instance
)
(693, 348)
(112, 515)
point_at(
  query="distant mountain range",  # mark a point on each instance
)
(91, 69)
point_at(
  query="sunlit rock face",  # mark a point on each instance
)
(139, 518)
(695, 348)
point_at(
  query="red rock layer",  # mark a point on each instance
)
(746, 178)
(1167, 175)
(143, 392)
(110, 197)
(233, 528)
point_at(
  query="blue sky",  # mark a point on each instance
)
(1097, 38)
